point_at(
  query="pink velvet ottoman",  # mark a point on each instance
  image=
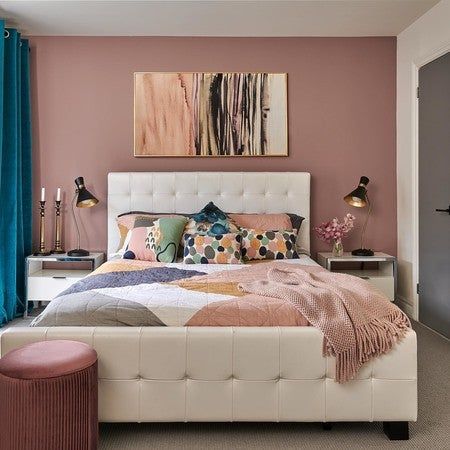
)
(48, 397)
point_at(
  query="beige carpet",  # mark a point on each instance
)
(432, 430)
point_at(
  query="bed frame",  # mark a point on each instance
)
(223, 374)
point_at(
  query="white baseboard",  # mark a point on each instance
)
(406, 306)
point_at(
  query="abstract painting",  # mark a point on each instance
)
(210, 114)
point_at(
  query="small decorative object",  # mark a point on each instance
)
(210, 114)
(58, 247)
(42, 251)
(334, 231)
(83, 199)
(359, 198)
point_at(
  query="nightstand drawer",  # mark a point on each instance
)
(384, 284)
(44, 285)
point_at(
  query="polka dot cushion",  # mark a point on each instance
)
(258, 244)
(218, 249)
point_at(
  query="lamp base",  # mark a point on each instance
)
(78, 252)
(362, 252)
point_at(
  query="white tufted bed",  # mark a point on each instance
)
(186, 192)
(230, 373)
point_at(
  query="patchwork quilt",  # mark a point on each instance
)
(141, 293)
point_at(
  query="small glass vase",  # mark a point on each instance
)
(338, 249)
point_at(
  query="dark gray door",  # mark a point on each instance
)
(434, 195)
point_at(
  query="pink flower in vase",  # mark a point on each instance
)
(334, 231)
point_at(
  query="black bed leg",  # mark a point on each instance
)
(396, 431)
(327, 426)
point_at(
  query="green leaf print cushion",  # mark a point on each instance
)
(158, 242)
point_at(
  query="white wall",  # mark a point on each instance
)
(423, 41)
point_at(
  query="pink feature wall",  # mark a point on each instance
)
(341, 101)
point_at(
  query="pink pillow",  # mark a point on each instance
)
(262, 221)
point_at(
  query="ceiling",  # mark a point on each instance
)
(214, 17)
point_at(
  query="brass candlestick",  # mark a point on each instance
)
(58, 248)
(42, 251)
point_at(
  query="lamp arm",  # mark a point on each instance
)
(365, 222)
(75, 219)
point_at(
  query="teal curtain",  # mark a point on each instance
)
(15, 171)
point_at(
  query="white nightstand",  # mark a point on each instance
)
(379, 269)
(43, 283)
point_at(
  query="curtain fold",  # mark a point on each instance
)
(15, 171)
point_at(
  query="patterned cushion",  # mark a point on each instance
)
(217, 249)
(126, 222)
(158, 241)
(211, 220)
(260, 244)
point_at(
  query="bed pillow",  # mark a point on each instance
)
(211, 220)
(157, 242)
(283, 221)
(261, 244)
(217, 249)
(126, 222)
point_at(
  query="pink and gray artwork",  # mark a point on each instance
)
(210, 114)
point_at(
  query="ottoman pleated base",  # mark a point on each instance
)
(48, 397)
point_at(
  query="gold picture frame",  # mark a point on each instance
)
(210, 114)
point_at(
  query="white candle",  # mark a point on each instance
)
(58, 195)
(43, 194)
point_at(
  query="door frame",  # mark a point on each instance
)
(417, 64)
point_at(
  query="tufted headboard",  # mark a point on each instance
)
(188, 192)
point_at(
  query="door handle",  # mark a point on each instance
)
(444, 210)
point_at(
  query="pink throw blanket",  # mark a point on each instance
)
(357, 320)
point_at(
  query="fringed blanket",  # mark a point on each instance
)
(358, 321)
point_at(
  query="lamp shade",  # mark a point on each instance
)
(84, 199)
(358, 197)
